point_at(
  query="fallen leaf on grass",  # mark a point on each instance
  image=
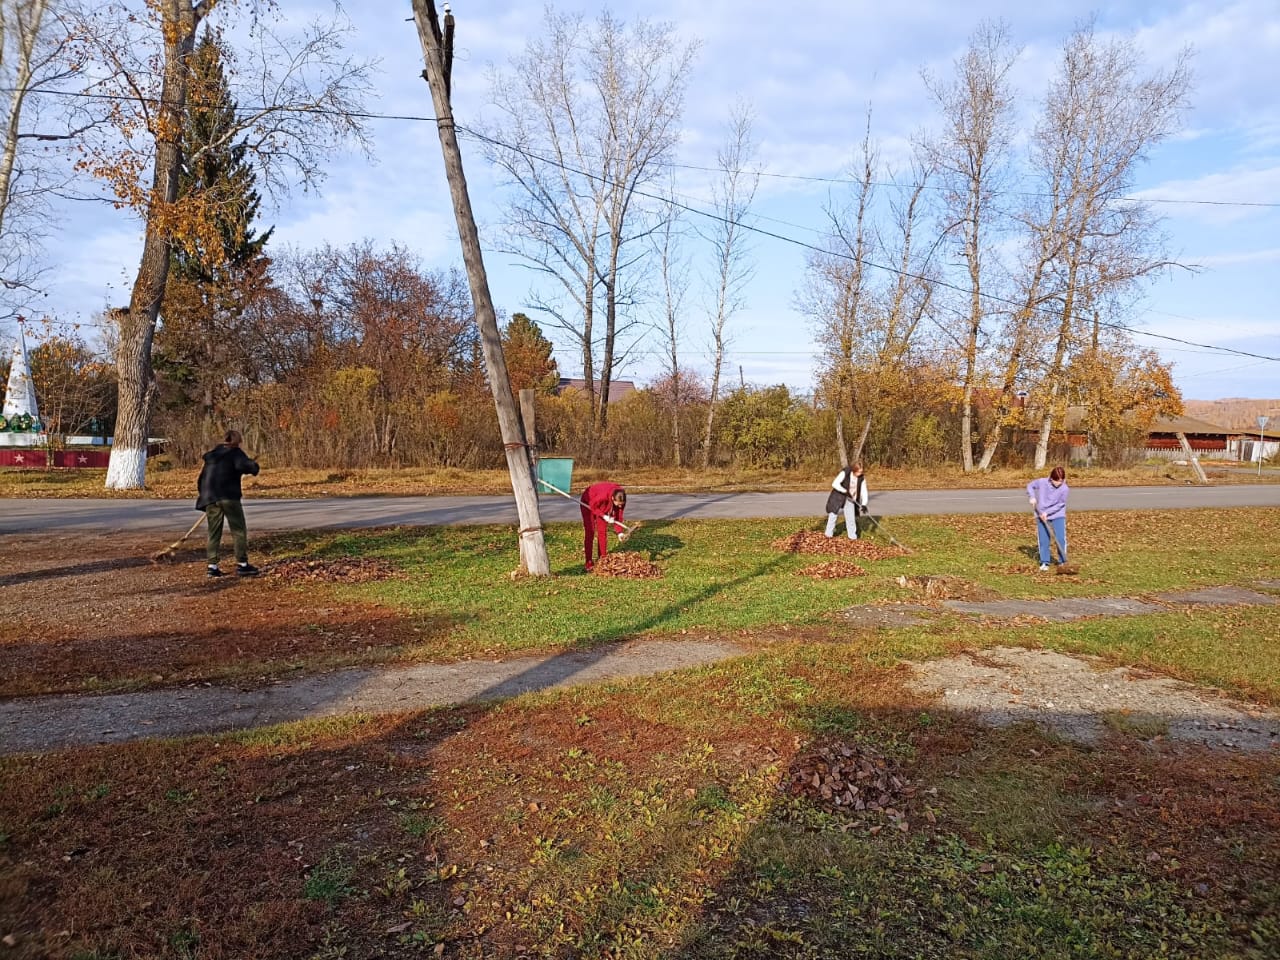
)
(337, 570)
(814, 541)
(832, 570)
(946, 588)
(855, 779)
(629, 565)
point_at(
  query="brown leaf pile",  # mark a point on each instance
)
(337, 570)
(854, 778)
(629, 565)
(815, 541)
(945, 588)
(832, 570)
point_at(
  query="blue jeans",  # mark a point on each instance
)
(1059, 531)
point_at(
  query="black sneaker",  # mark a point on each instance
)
(214, 570)
(246, 570)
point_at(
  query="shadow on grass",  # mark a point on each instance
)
(650, 540)
(87, 568)
(981, 837)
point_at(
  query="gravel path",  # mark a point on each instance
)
(1070, 695)
(1080, 698)
(46, 723)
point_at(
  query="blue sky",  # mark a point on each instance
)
(810, 72)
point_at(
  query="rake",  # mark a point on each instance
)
(631, 529)
(1062, 569)
(172, 548)
(884, 533)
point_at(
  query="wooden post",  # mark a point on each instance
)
(530, 430)
(527, 419)
(533, 546)
(1195, 461)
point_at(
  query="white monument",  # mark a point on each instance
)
(21, 416)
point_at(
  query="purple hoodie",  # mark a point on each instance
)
(1048, 499)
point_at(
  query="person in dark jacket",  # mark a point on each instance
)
(219, 487)
(602, 504)
(848, 493)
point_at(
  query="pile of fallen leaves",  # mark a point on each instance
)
(946, 588)
(855, 779)
(336, 570)
(832, 570)
(630, 565)
(815, 541)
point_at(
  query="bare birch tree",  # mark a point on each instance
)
(838, 293)
(311, 97)
(972, 156)
(1103, 113)
(732, 196)
(589, 115)
(673, 276)
(33, 42)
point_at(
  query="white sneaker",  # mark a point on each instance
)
(1044, 567)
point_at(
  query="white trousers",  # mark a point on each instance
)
(850, 521)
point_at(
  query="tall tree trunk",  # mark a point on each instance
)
(127, 468)
(711, 406)
(1059, 359)
(533, 547)
(610, 331)
(862, 439)
(28, 30)
(675, 420)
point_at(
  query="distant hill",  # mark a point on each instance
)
(1235, 413)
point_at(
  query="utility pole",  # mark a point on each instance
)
(437, 52)
(1262, 425)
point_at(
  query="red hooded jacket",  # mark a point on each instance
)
(598, 498)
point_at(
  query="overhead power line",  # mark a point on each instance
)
(1111, 325)
(768, 174)
(480, 137)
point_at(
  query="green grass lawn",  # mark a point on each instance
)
(727, 578)
(675, 817)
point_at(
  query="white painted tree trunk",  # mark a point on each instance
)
(127, 469)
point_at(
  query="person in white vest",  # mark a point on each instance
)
(848, 493)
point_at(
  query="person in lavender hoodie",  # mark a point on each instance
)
(1048, 497)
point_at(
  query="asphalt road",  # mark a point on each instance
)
(174, 516)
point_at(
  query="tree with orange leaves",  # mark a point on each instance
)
(143, 53)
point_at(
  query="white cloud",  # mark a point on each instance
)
(810, 74)
(1210, 198)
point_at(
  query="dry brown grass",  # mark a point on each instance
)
(169, 481)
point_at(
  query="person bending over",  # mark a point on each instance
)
(602, 505)
(848, 493)
(1048, 496)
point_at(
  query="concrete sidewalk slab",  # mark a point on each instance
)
(46, 723)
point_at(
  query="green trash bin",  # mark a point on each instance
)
(555, 472)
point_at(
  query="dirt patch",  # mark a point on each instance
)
(336, 570)
(1082, 699)
(945, 588)
(816, 542)
(72, 616)
(832, 570)
(627, 565)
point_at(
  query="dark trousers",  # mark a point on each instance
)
(233, 513)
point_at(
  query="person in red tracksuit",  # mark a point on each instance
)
(602, 504)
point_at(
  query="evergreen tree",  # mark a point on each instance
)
(215, 273)
(529, 356)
